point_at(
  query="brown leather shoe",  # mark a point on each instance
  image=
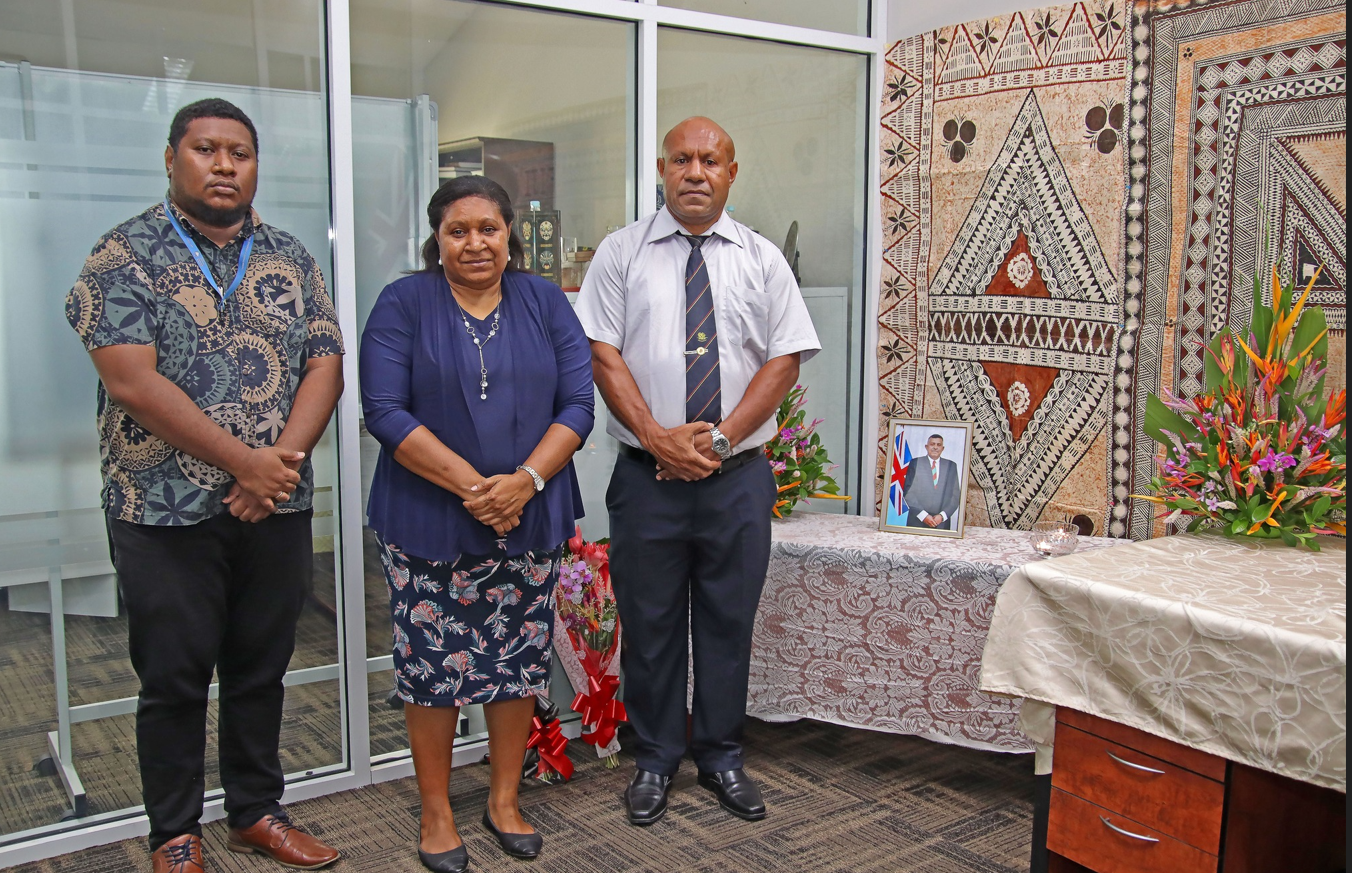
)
(179, 855)
(283, 842)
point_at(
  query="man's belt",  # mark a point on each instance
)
(738, 460)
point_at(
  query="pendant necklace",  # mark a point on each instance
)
(479, 342)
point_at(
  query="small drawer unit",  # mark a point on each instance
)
(1124, 801)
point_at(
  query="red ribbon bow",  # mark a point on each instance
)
(600, 710)
(551, 743)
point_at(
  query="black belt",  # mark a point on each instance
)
(737, 460)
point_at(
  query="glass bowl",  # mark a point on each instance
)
(1053, 538)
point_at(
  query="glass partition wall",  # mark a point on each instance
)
(87, 91)
(541, 102)
(363, 107)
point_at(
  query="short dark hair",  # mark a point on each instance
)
(211, 107)
(935, 436)
(458, 189)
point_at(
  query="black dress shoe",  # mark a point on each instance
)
(454, 861)
(645, 800)
(524, 846)
(737, 793)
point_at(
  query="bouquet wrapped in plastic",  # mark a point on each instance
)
(587, 640)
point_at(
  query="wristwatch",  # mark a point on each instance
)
(721, 445)
(535, 477)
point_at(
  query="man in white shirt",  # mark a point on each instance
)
(931, 488)
(697, 329)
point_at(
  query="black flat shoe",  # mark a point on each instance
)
(645, 800)
(454, 861)
(736, 792)
(524, 846)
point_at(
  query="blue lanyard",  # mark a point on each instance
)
(244, 252)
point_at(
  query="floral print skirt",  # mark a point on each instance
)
(472, 630)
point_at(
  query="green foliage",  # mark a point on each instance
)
(798, 457)
(1263, 452)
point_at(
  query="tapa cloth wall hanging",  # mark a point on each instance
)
(1070, 197)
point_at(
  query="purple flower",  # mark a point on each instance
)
(1323, 433)
(1274, 461)
(1170, 467)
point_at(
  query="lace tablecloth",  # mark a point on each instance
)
(885, 630)
(1233, 647)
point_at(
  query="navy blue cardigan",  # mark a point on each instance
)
(412, 374)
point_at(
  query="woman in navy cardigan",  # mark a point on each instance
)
(476, 380)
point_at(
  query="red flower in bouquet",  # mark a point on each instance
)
(589, 616)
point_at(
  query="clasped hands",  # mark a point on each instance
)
(685, 453)
(268, 476)
(500, 499)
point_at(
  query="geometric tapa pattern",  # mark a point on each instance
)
(1257, 173)
(985, 334)
(908, 93)
(1001, 299)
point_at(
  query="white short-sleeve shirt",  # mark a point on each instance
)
(633, 298)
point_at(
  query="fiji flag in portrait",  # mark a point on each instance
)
(901, 459)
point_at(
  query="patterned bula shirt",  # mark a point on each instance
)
(240, 361)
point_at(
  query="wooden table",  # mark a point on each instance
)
(1198, 686)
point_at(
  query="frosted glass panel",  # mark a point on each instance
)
(842, 16)
(541, 102)
(84, 154)
(80, 152)
(797, 117)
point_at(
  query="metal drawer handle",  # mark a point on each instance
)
(1143, 768)
(1142, 837)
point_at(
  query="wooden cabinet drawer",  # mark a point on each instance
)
(1208, 765)
(1155, 793)
(1084, 833)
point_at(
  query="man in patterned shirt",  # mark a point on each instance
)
(220, 363)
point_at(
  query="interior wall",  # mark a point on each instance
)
(908, 18)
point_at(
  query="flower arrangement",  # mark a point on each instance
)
(1263, 452)
(587, 618)
(798, 457)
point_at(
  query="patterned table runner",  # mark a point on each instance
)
(884, 630)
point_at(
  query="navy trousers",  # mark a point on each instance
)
(688, 557)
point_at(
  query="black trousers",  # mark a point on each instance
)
(222, 594)
(688, 557)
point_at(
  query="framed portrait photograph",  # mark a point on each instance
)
(927, 464)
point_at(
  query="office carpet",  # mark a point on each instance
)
(100, 670)
(840, 799)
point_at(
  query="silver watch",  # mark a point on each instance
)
(721, 445)
(535, 477)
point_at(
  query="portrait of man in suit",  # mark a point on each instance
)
(932, 488)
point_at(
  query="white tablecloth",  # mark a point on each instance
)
(1234, 647)
(884, 630)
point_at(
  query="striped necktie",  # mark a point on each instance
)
(703, 394)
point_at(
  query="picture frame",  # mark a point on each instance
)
(907, 450)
